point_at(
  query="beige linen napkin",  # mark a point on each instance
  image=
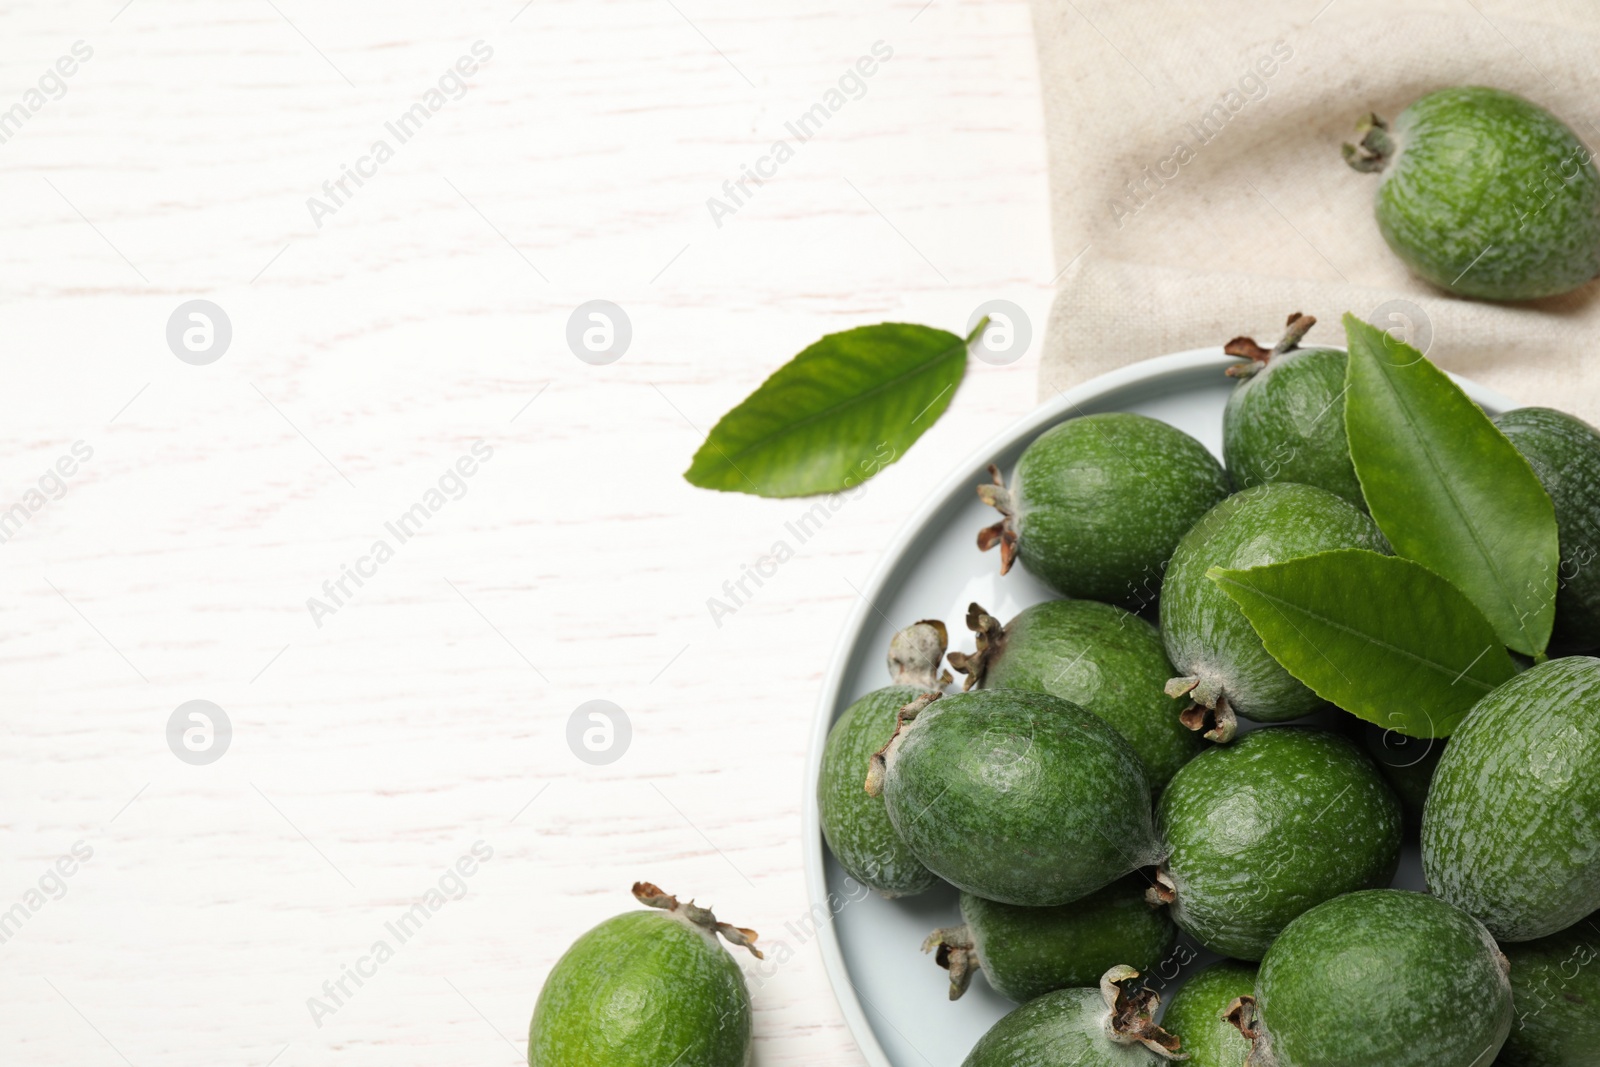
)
(1198, 192)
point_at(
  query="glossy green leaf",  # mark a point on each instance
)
(1382, 637)
(1448, 489)
(836, 414)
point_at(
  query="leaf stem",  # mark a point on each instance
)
(977, 331)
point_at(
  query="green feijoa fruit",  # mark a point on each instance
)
(855, 825)
(1097, 504)
(647, 988)
(1262, 830)
(1555, 986)
(1485, 194)
(1198, 1014)
(1565, 453)
(1510, 832)
(1095, 655)
(1285, 421)
(1407, 764)
(1113, 1026)
(1225, 668)
(1028, 952)
(1380, 977)
(1018, 797)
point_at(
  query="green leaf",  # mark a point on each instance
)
(836, 414)
(1448, 489)
(1382, 637)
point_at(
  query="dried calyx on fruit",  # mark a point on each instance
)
(1284, 421)
(1101, 657)
(1112, 1026)
(645, 988)
(1097, 503)
(1027, 952)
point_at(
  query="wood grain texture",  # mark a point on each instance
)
(427, 313)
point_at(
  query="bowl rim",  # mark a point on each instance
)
(1056, 409)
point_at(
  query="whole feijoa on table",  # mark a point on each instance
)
(1198, 1012)
(1112, 1026)
(1511, 830)
(1098, 656)
(1284, 421)
(1097, 504)
(1262, 830)
(1555, 985)
(1565, 453)
(1225, 670)
(647, 988)
(855, 825)
(1385, 977)
(1028, 952)
(1485, 194)
(1018, 797)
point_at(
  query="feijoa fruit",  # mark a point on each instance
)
(1262, 830)
(1224, 668)
(1028, 952)
(1485, 194)
(855, 825)
(1097, 504)
(1095, 655)
(647, 988)
(1018, 797)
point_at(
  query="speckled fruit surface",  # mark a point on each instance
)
(855, 825)
(1206, 635)
(1267, 827)
(1489, 195)
(1027, 952)
(1565, 453)
(1018, 797)
(1511, 830)
(1383, 977)
(1196, 1014)
(1098, 503)
(643, 989)
(1067, 1028)
(1555, 985)
(1285, 423)
(1105, 659)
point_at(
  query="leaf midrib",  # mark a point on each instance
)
(859, 398)
(1449, 490)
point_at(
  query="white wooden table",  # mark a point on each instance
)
(375, 339)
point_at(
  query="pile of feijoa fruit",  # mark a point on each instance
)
(1369, 625)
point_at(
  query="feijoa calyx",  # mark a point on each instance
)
(1198, 1014)
(1223, 666)
(1284, 421)
(1262, 830)
(1018, 797)
(1565, 453)
(1097, 656)
(1112, 1026)
(1485, 194)
(1384, 977)
(1097, 503)
(647, 988)
(1028, 952)
(1555, 985)
(1511, 829)
(856, 825)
